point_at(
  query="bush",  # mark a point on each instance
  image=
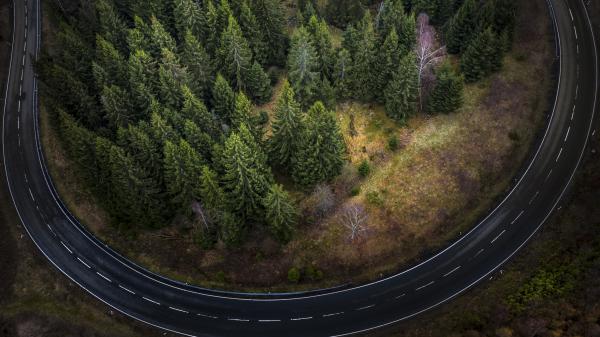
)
(220, 276)
(374, 198)
(393, 143)
(364, 168)
(355, 191)
(294, 275)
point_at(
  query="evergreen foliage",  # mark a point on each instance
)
(447, 95)
(280, 213)
(401, 94)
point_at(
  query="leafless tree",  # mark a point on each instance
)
(354, 217)
(324, 200)
(427, 53)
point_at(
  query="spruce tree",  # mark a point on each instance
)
(142, 79)
(401, 94)
(109, 66)
(160, 38)
(447, 94)
(343, 12)
(252, 33)
(242, 114)
(258, 84)
(223, 100)
(461, 27)
(244, 185)
(182, 167)
(144, 150)
(117, 107)
(199, 66)
(287, 128)
(195, 110)
(234, 54)
(271, 19)
(303, 67)
(111, 25)
(188, 17)
(365, 79)
(320, 154)
(172, 75)
(342, 75)
(211, 193)
(211, 34)
(482, 57)
(321, 38)
(280, 213)
(389, 57)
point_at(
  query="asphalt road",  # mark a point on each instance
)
(188, 310)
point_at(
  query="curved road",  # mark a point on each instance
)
(193, 311)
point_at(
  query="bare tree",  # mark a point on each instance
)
(427, 54)
(324, 199)
(354, 217)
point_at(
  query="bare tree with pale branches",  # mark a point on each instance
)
(354, 217)
(427, 53)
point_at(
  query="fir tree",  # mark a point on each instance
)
(287, 128)
(244, 185)
(198, 139)
(321, 38)
(365, 80)
(252, 33)
(211, 34)
(160, 38)
(142, 79)
(195, 110)
(143, 149)
(172, 75)
(199, 66)
(401, 94)
(462, 27)
(234, 54)
(109, 66)
(389, 57)
(258, 84)
(117, 106)
(343, 75)
(482, 57)
(303, 66)
(271, 18)
(447, 95)
(188, 17)
(243, 111)
(223, 99)
(111, 25)
(280, 213)
(182, 167)
(343, 12)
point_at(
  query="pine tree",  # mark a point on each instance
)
(287, 128)
(482, 57)
(320, 154)
(223, 99)
(343, 75)
(244, 185)
(365, 80)
(303, 68)
(199, 66)
(280, 213)
(401, 94)
(271, 18)
(234, 54)
(462, 27)
(258, 84)
(182, 167)
(447, 95)
(80, 144)
(195, 110)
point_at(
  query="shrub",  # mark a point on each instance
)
(393, 143)
(364, 168)
(374, 198)
(294, 275)
(355, 191)
(220, 276)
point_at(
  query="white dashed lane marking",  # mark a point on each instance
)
(104, 277)
(559, 153)
(518, 216)
(567, 135)
(269, 320)
(238, 320)
(127, 290)
(207, 316)
(180, 310)
(151, 301)
(365, 307)
(399, 297)
(67, 248)
(333, 314)
(498, 236)
(301, 318)
(534, 196)
(85, 264)
(425, 286)
(452, 271)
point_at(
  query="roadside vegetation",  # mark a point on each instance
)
(236, 143)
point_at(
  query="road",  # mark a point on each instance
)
(193, 311)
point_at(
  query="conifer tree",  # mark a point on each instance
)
(211, 34)
(482, 57)
(271, 18)
(188, 17)
(198, 139)
(109, 66)
(138, 37)
(159, 38)
(182, 167)
(320, 154)
(245, 186)
(303, 67)
(234, 54)
(343, 12)
(111, 25)
(321, 38)
(224, 11)
(142, 80)
(258, 84)
(211, 193)
(243, 111)
(389, 57)
(252, 33)
(195, 110)
(280, 213)
(462, 27)
(172, 75)
(365, 79)
(223, 99)
(161, 131)
(287, 128)
(447, 95)
(327, 94)
(255, 144)
(401, 94)
(117, 106)
(143, 149)
(199, 66)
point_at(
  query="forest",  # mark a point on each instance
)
(160, 102)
